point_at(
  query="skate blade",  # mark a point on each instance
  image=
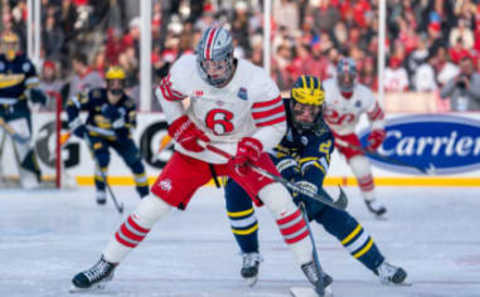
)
(251, 281)
(382, 217)
(95, 288)
(309, 292)
(403, 284)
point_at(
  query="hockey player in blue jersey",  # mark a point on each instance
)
(111, 116)
(303, 157)
(18, 82)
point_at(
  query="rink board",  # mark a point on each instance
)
(464, 150)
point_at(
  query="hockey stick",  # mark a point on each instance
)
(10, 131)
(299, 291)
(428, 171)
(341, 203)
(118, 206)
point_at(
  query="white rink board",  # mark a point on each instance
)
(84, 164)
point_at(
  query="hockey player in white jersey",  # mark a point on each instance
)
(345, 101)
(236, 107)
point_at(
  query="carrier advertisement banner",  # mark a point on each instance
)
(446, 145)
(439, 144)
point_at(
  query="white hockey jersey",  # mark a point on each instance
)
(342, 114)
(250, 105)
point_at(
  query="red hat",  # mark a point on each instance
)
(49, 64)
(435, 26)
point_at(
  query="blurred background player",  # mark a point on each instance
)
(236, 107)
(303, 157)
(345, 101)
(18, 82)
(111, 116)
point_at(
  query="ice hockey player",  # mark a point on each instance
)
(345, 101)
(303, 157)
(18, 82)
(111, 117)
(236, 107)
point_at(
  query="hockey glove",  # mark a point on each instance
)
(186, 133)
(37, 96)
(249, 149)
(375, 139)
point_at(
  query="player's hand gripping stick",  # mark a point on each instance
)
(341, 203)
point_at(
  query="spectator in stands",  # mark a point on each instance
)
(50, 84)
(424, 78)
(396, 78)
(52, 38)
(462, 33)
(443, 67)
(464, 89)
(84, 78)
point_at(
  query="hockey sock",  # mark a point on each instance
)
(244, 228)
(352, 236)
(362, 171)
(242, 218)
(100, 173)
(289, 219)
(140, 177)
(135, 228)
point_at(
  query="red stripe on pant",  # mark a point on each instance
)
(295, 232)
(130, 239)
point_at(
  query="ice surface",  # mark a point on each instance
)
(46, 236)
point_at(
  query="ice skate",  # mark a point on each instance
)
(101, 197)
(320, 280)
(94, 277)
(250, 266)
(377, 208)
(391, 275)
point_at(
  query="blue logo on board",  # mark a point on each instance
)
(446, 143)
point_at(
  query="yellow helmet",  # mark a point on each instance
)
(308, 90)
(10, 44)
(306, 103)
(115, 72)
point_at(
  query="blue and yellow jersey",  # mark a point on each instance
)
(103, 119)
(304, 155)
(16, 77)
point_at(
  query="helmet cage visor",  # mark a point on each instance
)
(305, 116)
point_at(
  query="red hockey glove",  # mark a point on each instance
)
(184, 131)
(249, 149)
(375, 139)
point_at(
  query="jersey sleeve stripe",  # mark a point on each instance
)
(169, 93)
(267, 103)
(376, 113)
(267, 113)
(271, 122)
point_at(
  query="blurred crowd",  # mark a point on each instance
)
(432, 45)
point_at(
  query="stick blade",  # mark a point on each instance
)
(342, 201)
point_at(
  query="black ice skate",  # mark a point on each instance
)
(101, 197)
(375, 207)
(95, 277)
(391, 275)
(320, 280)
(249, 271)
